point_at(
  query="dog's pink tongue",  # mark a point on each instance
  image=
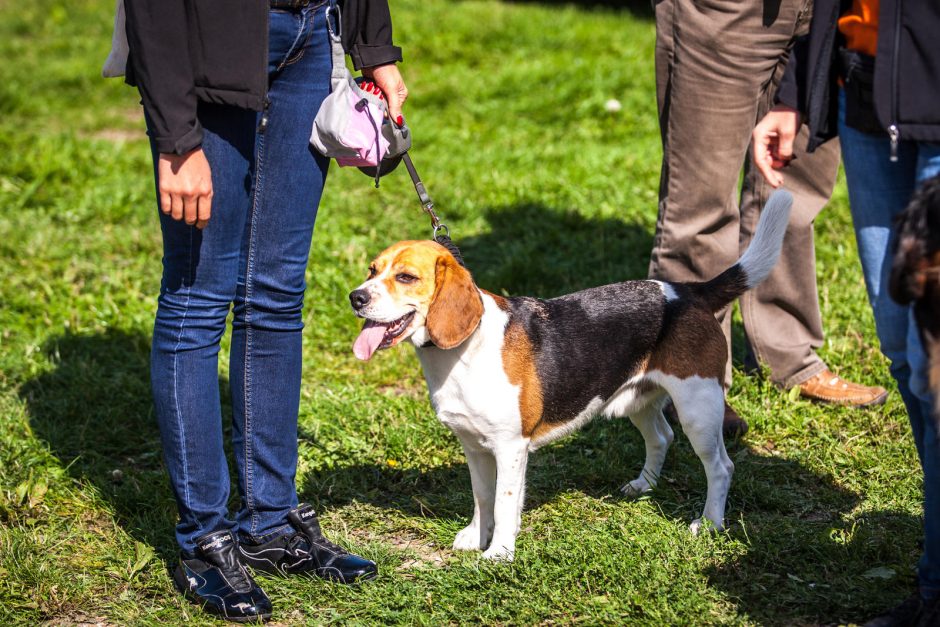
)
(369, 339)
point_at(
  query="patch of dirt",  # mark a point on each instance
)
(425, 553)
(79, 620)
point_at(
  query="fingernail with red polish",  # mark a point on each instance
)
(400, 120)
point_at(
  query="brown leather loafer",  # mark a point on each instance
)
(734, 426)
(826, 387)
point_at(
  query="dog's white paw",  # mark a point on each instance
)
(499, 553)
(700, 525)
(470, 539)
(636, 488)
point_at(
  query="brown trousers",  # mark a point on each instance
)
(718, 63)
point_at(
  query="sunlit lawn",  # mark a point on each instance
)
(546, 192)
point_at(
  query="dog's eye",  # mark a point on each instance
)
(372, 272)
(404, 277)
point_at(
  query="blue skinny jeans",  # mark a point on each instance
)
(251, 258)
(879, 190)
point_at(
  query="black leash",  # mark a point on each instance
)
(441, 233)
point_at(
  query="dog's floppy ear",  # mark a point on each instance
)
(456, 308)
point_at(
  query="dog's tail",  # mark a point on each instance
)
(756, 262)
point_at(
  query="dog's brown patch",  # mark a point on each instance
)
(501, 301)
(519, 364)
(694, 345)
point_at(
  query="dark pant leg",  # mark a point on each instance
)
(781, 315)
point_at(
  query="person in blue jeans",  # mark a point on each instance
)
(230, 92)
(884, 111)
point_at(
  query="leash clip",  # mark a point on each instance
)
(436, 223)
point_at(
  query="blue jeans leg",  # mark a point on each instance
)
(879, 190)
(266, 332)
(253, 254)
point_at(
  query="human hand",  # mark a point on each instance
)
(186, 187)
(388, 80)
(773, 142)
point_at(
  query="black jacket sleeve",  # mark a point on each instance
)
(367, 33)
(159, 65)
(792, 89)
(810, 81)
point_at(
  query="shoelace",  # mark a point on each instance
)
(237, 576)
(301, 538)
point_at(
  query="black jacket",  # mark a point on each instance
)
(184, 51)
(907, 70)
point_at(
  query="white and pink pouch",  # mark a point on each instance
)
(352, 125)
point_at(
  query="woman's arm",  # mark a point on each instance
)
(159, 55)
(367, 38)
(157, 36)
(367, 33)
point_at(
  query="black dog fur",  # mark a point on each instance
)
(915, 273)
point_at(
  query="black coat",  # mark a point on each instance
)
(184, 51)
(907, 70)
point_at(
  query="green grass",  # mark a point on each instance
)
(546, 193)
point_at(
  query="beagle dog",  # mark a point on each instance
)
(508, 375)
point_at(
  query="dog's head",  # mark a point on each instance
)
(415, 290)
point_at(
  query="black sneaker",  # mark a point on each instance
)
(218, 581)
(306, 552)
(905, 614)
(930, 613)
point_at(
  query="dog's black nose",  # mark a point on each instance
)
(359, 299)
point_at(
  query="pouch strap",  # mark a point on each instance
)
(340, 73)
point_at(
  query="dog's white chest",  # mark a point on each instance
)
(468, 385)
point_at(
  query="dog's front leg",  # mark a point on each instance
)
(511, 458)
(476, 536)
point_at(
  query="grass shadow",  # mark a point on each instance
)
(95, 412)
(823, 568)
(536, 250)
(595, 461)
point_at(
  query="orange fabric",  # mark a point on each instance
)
(860, 26)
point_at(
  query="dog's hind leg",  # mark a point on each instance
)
(476, 536)
(511, 460)
(658, 436)
(700, 405)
